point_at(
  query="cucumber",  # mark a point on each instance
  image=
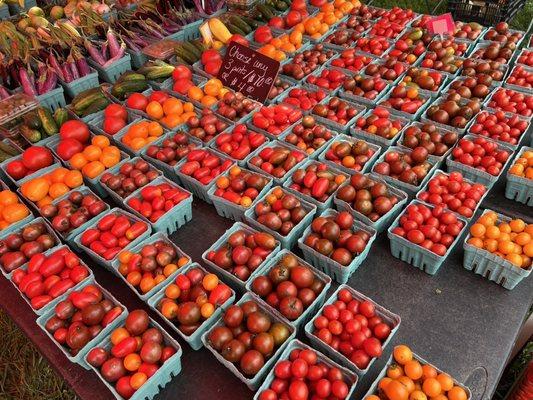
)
(281, 6)
(121, 89)
(192, 48)
(265, 11)
(131, 76)
(49, 124)
(240, 23)
(186, 55)
(84, 99)
(95, 106)
(32, 120)
(60, 116)
(252, 23)
(199, 45)
(32, 135)
(235, 29)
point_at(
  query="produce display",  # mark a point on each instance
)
(411, 377)
(432, 228)
(73, 211)
(481, 154)
(130, 176)
(247, 336)
(48, 276)
(242, 252)
(276, 160)
(152, 264)
(17, 248)
(279, 211)
(335, 237)
(111, 234)
(369, 110)
(509, 240)
(454, 192)
(354, 327)
(31, 160)
(308, 135)
(13, 210)
(133, 354)
(305, 373)
(367, 196)
(408, 166)
(317, 180)
(192, 298)
(43, 189)
(81, 316)
(240, 186)
(172, 149)
(289, 286)
(352, 155)
(240, 142)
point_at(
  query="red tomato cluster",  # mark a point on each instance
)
(235, 106)
(404, 52)
(317, 180)
(406, 100)
(112, 233)
(376, 45)
(243, 252)
(192, 298)
(336, 237)
(73, 211)
(48, 277)
(154, 201)
(240, 186)
(172, 149)
(115, 118)
(308, 135)
(239, 142)
(454, 192)
(368, 87)
(352, 155)
(392, 22)
(499, 126)
(480, 153)
(136, 353)
(18, 247)
(304, 99)
(280, 211)
(32, 159)
(275, 119)
(328, 79)
(521, 77)
(337, 110)
(305, 376)
(512, 101)
(349, 59)
(434, 229)
(407, 166)
(204, 165)
(207, 126)
(352, 327)
(289, 286)
(182, 76)
(277, 160)
(131, 176)
(379, 122)
(80, 318)
(388, 69)
(211, 61)
(526, 58)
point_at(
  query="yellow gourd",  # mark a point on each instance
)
(219, 30)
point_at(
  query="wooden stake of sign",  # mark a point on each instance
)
(247, 71)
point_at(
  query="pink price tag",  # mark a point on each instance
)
(441, 24)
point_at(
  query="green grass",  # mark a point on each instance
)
(24, 374)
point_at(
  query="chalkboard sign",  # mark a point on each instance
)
(247, 71)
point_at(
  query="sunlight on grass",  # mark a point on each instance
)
(24, 373)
